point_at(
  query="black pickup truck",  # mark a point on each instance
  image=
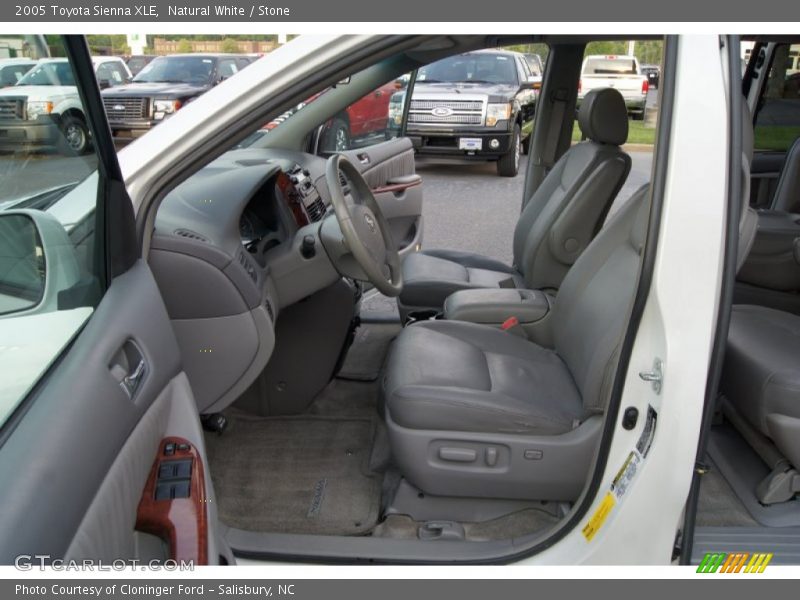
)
(479, 106)
(163, 86)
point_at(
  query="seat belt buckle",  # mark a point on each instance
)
(509, 323)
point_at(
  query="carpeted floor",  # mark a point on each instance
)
(366, 356)
(347, 399)
(718, 505)
(305, 474)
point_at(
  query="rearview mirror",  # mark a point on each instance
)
(37, 261)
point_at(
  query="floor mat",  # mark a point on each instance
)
(295, 474)
(366, 356)
(347, 399)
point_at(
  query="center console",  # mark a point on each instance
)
(524, 312)
(301, 195)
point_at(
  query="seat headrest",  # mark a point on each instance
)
(603, 116)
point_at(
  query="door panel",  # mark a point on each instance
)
(70, 446)
(76, 450)
(389, 170)
(106, 528)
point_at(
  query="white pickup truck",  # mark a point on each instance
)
(620, 72)
(43, 109)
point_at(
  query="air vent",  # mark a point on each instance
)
(342, 179)
(270, 310)
(316, 210)
(248, 266)
(186, 233)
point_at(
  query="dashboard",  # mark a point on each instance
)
(232, 246)
(250, 259)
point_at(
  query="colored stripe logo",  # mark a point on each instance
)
(736, 562)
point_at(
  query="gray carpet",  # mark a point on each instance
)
(718, 505)
(515, 525)
(366, 356)
(346, 399)
(295, 474)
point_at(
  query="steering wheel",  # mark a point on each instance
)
(365, 229)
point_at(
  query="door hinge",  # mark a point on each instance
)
(656, 376)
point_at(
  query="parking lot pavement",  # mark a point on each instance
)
(466, 206)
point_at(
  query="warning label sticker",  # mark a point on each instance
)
(624, 477)
(599, 517)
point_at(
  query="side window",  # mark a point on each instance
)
(777, 122)
(104, 75)
(118, 73)
(110, 74)
(18, 72)
(7, 77)
(242, 63)
(227, 68)
(374, 118)
(51, 262)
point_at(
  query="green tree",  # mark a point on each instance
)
(185, 46)
(540, 49)
(229, 45)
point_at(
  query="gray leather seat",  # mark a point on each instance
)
(762, 374)
(555, 225)
(787, 192)
(476, 411)
(772, 270)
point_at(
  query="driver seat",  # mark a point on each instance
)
(555, 225)
(475, 411)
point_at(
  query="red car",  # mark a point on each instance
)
(363, 121)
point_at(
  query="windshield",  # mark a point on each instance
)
(609, 66)
(177, 69)
(50, 73)
(471, 68)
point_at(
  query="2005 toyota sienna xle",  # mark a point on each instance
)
(185, 373)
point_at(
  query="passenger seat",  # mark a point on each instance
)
(761, 381)
(771, 274)
(555, 225)
(761, 378)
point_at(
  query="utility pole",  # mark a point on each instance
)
(631, 47)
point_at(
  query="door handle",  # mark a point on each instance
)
(130, 383)
(129, 368)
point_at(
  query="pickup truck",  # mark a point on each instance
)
(163, 86)
(44, 110)
(476, 106)
(620, 72)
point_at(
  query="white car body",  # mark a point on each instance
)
(60, 100)
(633, 87)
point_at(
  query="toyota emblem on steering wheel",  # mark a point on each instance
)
(370, 223)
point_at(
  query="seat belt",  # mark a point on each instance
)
(542, 163)
(559, 100)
